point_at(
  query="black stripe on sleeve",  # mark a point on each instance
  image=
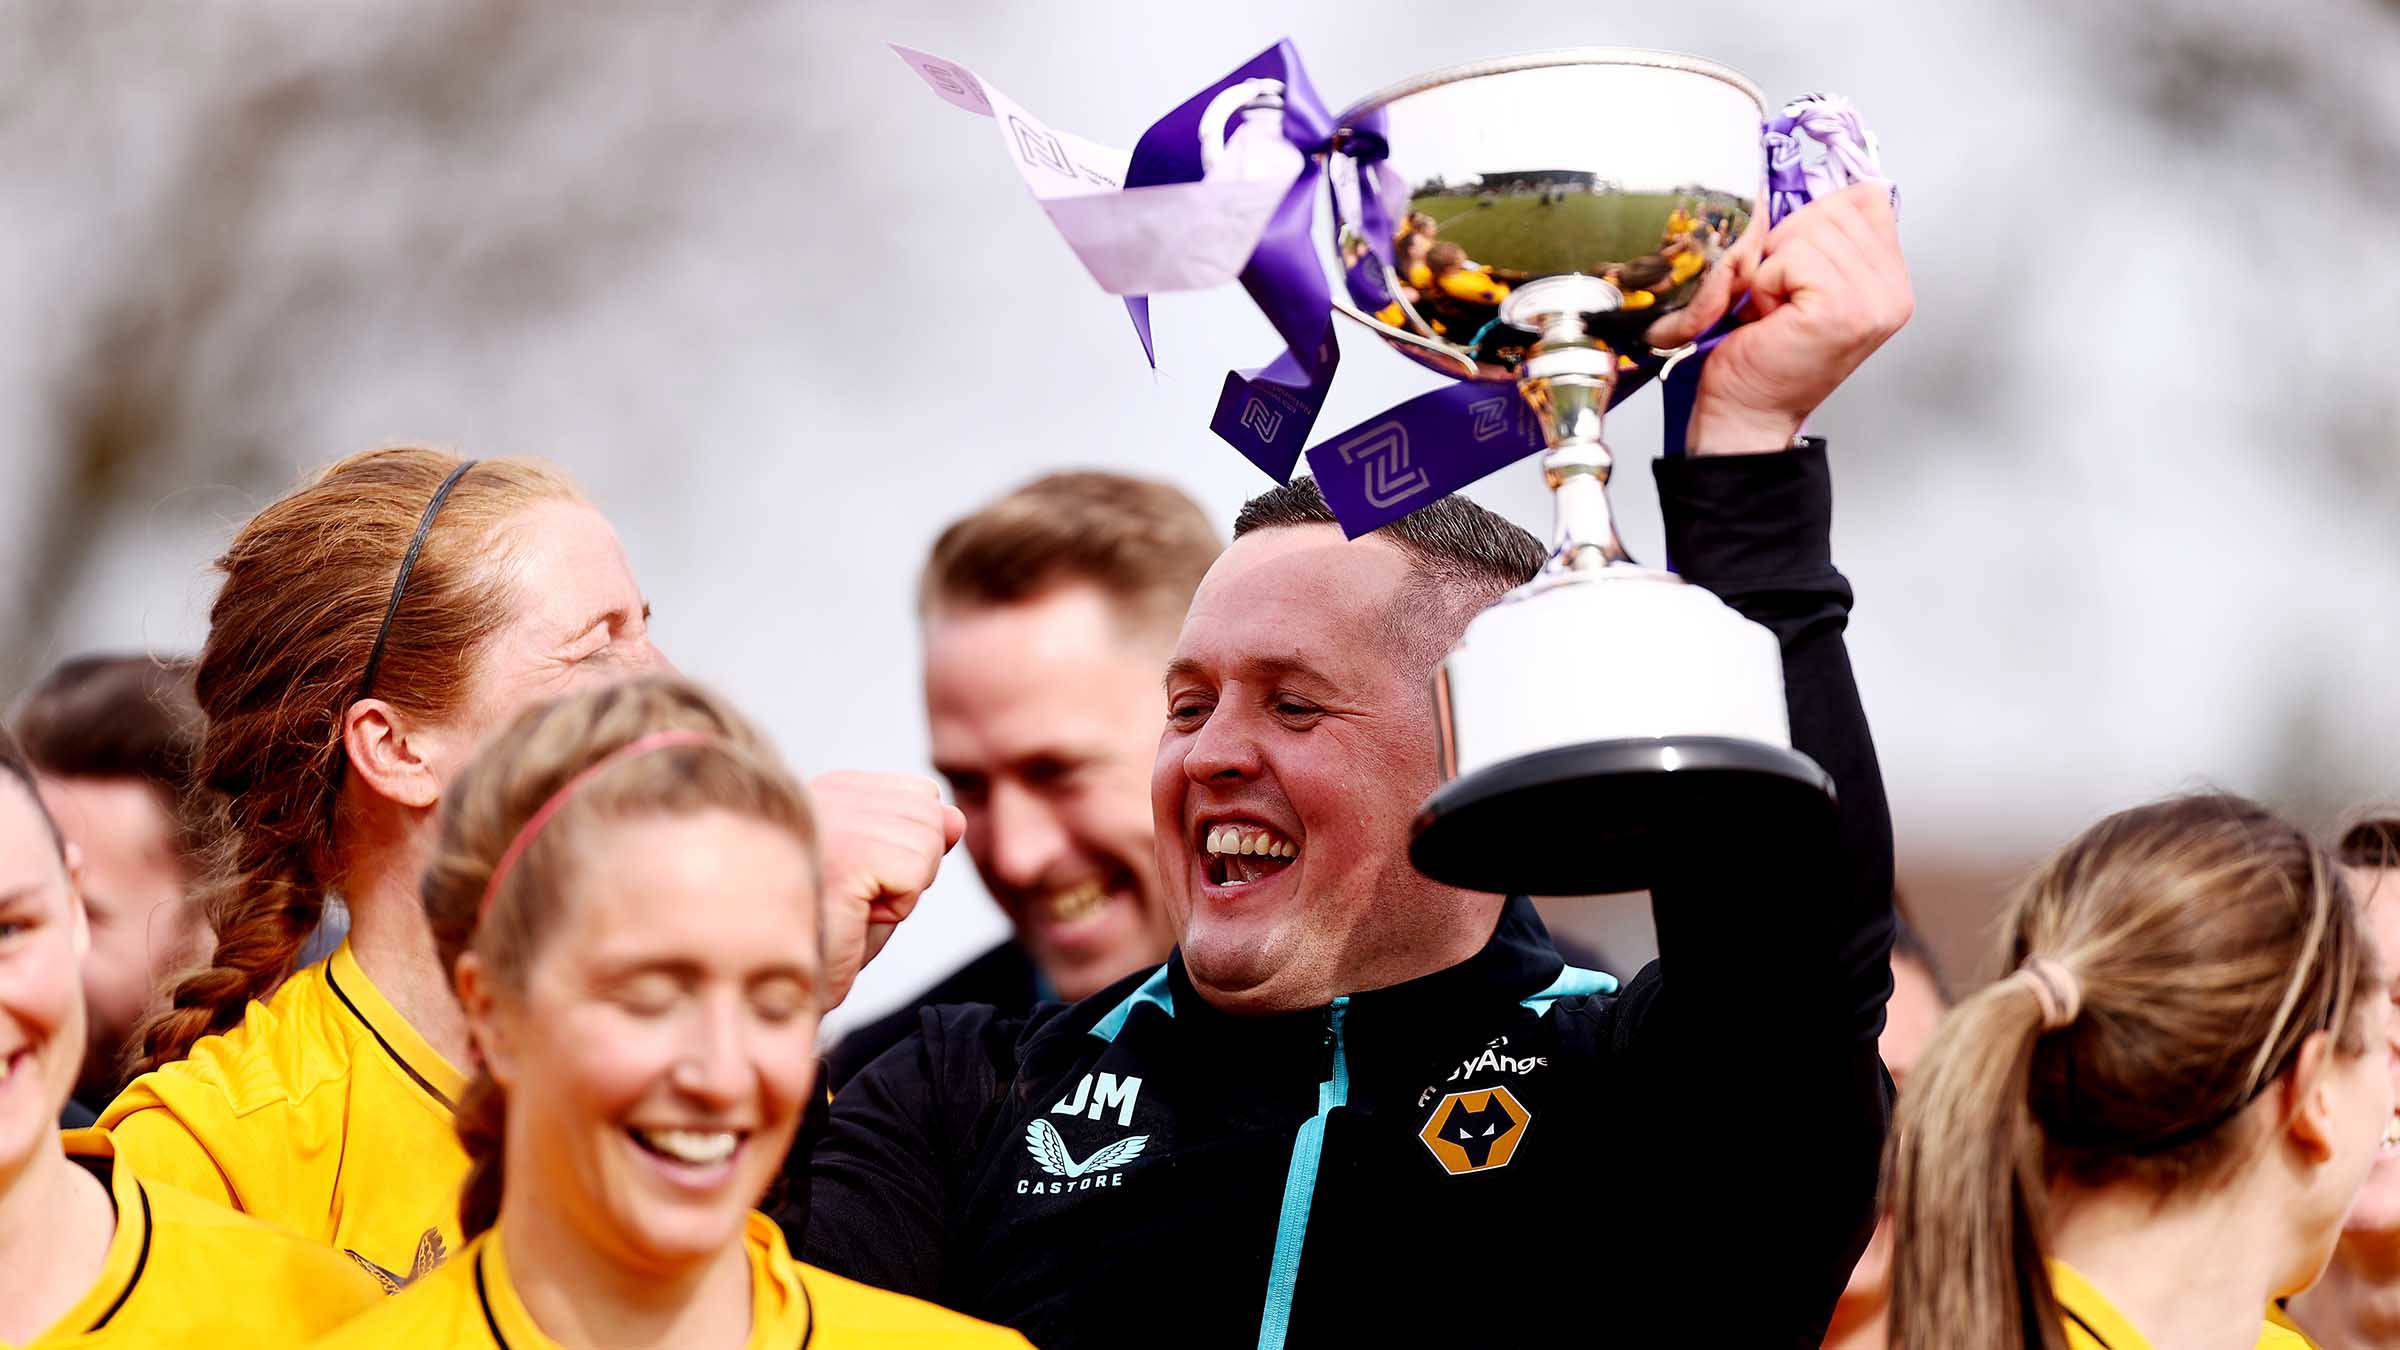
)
(808, 1301)
(2077, 1318)
(140, 1263)
(484, 1296)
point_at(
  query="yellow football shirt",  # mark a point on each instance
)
(323, 1112)
(183, 1272)
(1472, 286)
(2093, 1323)
(471, 1302)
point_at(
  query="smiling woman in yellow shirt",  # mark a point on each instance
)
(626, 887)
(91, 1255)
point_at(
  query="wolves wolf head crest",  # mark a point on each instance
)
(1476, 1131)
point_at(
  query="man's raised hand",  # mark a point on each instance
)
(1829, 286)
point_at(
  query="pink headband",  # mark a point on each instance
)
(526, 833)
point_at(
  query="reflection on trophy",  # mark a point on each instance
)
(1558, 207)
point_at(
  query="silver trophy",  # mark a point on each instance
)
(1564, 211)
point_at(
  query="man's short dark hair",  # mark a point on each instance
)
(113, 716)
(1144, 543)
(1462, 556)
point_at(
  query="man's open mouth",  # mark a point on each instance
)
(1237, 853)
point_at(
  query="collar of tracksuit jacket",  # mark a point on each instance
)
(1391, 1030)
(1381, 1036)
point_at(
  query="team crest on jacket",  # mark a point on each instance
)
(1476, 1131)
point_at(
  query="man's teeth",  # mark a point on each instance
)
(1072, 903)
(1249, 841)
(2391, 1134)
(697, 1147)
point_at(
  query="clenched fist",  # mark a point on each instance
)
(881, 837)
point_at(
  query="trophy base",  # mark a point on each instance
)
(1600, 817)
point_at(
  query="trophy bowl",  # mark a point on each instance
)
(1550, 217)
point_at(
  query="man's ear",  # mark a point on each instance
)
(495, 1049)
(377, 741)
(2307, 1099)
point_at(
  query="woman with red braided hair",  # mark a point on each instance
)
(626, 889)
(373, 627)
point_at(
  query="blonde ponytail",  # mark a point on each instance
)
(2165, 969)
(1965, 1176)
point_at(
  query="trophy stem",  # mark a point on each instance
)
(1568, 378)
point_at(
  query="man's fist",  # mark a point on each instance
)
(1826, 290)
(880, 837)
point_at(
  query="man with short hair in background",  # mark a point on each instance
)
(113, 740)
(1047, 616)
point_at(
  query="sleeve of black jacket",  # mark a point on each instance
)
(1754, 1035)
(866, 1188)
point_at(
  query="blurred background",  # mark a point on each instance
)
(2120, 504)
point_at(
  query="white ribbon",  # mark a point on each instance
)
(1137, 241)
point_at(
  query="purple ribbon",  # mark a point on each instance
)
(1404, 457)
(1845, 153)
(1267, 412)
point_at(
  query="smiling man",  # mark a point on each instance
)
(1362, 1108)
(1046, 615)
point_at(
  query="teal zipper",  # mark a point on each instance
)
(1300, 1188)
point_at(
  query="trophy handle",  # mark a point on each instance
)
(1422, 350)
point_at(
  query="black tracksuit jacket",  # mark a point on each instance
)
(1507, 1151)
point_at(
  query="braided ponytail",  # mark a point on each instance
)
(308, 582)
(262, 899)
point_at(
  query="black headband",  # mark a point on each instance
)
(408, 564)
